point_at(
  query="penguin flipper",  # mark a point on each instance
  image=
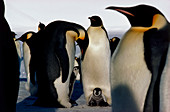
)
(62, 56)
(156, 44)
(32, 72)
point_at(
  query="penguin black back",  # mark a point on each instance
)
(156, 44)
(9, 66)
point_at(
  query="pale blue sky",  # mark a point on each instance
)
(24, 15)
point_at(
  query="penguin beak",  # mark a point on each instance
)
(21, 39)
(123, 10)
(80, 36)
(91, 19)
(25, 37)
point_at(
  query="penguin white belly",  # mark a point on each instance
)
(27, 57)
(130, 77)
(63, 88)
(164, 86)
(96, 65)
(18, 48)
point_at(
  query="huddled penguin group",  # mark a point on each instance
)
(130, 74)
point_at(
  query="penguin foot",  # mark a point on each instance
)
(96, 103)
(73, 103)
(92, 103)
(103, 104)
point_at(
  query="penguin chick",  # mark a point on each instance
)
(29, 61)
(97, 98)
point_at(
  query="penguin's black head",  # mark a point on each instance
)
(114, 39)
(25, 36)
(41, 26)
(13, 34)
(96, 21)
(140, 15)
(97, 92)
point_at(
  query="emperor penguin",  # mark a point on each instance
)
(137, 65)
(55, 62)
(9, 66)
(29, 43)
(28, 48)
(95, 65)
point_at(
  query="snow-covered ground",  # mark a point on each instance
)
(25, 102)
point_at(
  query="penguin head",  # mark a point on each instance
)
(140, 15)
(13, 34)
(97, 92)
(114, 39)
(25, 36)
(41, 26)
(96, 21)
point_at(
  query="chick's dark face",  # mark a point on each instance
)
(97, 92)
(141, 15)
